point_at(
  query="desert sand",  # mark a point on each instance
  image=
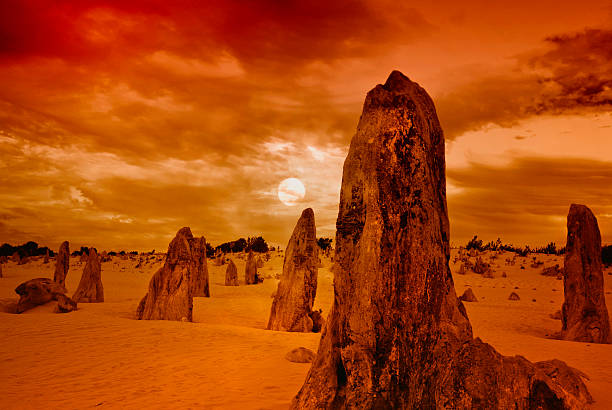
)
(101, 356)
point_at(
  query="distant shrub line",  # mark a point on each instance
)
(477, 244)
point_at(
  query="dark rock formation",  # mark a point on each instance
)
(62, 264)
(90, 289)
(397, 335)
(1, 270)
(584, 313)
(250, 270)
(231, 274)
(171, 289)
(39, 291)
(292, 305)
(514, 296)
(300, 355)
(199, 267)
(468, 296)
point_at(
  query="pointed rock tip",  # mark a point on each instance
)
(308, 213)
(397, 80)
(185, 231)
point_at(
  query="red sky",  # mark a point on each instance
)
(122, 121)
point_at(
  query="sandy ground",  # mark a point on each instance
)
(99, 356)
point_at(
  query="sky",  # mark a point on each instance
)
(123, 121)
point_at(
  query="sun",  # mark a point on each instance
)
(290, 191)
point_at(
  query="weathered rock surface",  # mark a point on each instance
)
(397, 335)
(39, 291)
(171, 291)
(62, 264)
(90, 289)
(250, 270)
(199, 267)
(231, 274)
(292, 305)
(300, 355)
(64, 304)
(1, 270)
(584, 313)
(468, 296)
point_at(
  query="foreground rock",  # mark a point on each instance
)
(62, 264)
(90, 289)
(170, 295)
(40, 291)
(397, 336)
(292, 306)
(250, 270)
(231, 274)
(300, 355)
(584, 313)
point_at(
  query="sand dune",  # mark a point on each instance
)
(100, 356)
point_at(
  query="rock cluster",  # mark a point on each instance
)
(171, 289)
(292, 306)
(397, 335)
(584, 313)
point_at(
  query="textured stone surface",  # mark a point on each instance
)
(584, 313)
(231, 274)
(39, 291)
(62, 264)
(170, 295)
(300, 355)
(199, 267)
(250, 270)
(292, 306)
(397, 335)
(90, 289)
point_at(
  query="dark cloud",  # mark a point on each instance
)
(574, 75)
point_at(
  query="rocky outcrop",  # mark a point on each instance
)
(292, 305)
(40, 291)
(250, 270)
(584, 313)
(231, 274)
(90, 289)
(62, 264)
(514, 296)
(171, 290)
(397, 336)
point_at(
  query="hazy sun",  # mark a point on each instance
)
(290, 191)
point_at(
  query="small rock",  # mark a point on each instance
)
(300, 355)
(468, 296)
(514, 296)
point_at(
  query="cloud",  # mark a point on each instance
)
(527, 200)
(572, 75)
